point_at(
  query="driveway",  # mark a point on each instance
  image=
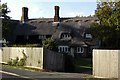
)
(34, 75)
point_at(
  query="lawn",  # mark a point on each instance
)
(22, 67)
(83, 65)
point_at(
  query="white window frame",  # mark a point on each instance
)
(42, 36)
(88, 36)
(65, 35)
(63, 49)
(80, 49)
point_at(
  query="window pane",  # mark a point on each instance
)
(88, 36)
(62, 49)
(66, 49)
(59, 49)
(79, 49)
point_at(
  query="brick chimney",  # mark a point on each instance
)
(56, 17)
(24, 16)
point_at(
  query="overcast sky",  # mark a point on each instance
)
(45, 8)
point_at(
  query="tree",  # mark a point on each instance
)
(108, 29)
(4, 11)
(8, 27)
(49, 43)
(7, 24)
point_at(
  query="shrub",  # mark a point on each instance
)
(49, 43)
(9, 62)
(21, 62)
(15, 61)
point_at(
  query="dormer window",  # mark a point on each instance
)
(65, 36)
(88, 36)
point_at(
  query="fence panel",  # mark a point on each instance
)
(106, 63)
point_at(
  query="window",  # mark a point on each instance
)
(63, 49)
(42, 37)
(66, 49)
(80, 49)
(88, 36)
(65, 36)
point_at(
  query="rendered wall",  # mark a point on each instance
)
(0, 64)
(34, 55)
(106, 63)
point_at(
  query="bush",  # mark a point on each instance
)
(15, 61)
(9, 62)
(23, 45)
(49, 43)
(21, 62)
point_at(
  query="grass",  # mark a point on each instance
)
(83, 65)
(23, 45)
(101, 79)
(24, 68)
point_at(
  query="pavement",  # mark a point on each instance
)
(20, 74)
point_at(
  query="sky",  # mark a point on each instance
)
(45, 8)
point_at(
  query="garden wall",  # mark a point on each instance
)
(36, 57)
(106, 63)
(0, 64)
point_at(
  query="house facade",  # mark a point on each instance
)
(73, 35)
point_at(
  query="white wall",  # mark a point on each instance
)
(34, 55)
(0, 55)
(37, 57)
(106, 63)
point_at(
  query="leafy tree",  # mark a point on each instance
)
(4, 11)
(8, 27)
(49, 43)
(108, 29)
(7, 24)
